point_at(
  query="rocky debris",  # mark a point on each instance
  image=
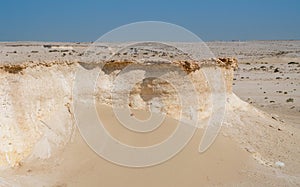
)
(279, 164)
(150, 51)
(12, 52)
(276, 70)
(227, 63)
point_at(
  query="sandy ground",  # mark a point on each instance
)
(78, 165)
(273, 85)
(267, 78)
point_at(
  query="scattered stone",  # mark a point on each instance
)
(293, 63)
(263, 67)
(47, 46)
(276, 70)
(279, 164)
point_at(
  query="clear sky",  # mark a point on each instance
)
(86, 20)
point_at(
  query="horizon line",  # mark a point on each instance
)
(53, 41)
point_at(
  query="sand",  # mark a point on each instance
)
(78, 165)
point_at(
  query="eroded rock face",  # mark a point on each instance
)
(35, 112)
(36, 100)
(195, 90)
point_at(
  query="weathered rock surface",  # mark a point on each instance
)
(36, 99)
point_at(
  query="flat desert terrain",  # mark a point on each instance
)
(258, 144)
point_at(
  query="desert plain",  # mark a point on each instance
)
(258, 144)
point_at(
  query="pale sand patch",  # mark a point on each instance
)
(224, 163)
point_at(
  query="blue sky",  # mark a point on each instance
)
(87, 20)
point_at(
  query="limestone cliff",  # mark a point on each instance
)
(36, 100)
